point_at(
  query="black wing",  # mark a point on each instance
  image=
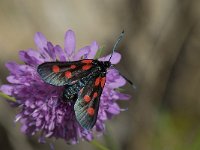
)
(87, 105)
(66, 73)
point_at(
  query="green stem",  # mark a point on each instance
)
(98, 145)
(109, 140)
(7, 97)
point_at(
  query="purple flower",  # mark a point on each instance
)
(40, 108)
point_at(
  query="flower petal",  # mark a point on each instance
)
(13, 79)
(116, 57)
(51, 51)
(70, 42)
(113, 109)
(122, 96)
(40, 41)
(12, 67)
(31, 57)
(83, 52)
(24, 128)
(87, 135)
(93, 50)
(114, 80)
(7, 89)
(103, 115)
(60, 53)
(117, 82)
(100, 126)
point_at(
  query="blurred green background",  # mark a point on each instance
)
(161, 54)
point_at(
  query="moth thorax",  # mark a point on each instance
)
(68, 98)
(107, 64)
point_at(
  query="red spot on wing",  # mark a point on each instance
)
(95, 95)
(103, 80)
(97, 81)
(86, 67)
(87, 61)
(55, 68)
(87, 98)
(73, 66)
(90, 111)
(68, 74)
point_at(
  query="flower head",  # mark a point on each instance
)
(41, 110)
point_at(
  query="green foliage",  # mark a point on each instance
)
(7, 97)
(98, 145)
(175, 132)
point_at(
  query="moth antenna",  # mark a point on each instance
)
(129, 81)
(116, 43)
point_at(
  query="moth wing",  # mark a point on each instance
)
(87, 105)
(65, 73)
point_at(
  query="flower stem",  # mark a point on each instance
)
(98, 145)
(7, 97)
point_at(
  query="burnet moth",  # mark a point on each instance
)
(84, 81)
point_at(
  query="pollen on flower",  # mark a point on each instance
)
(55, 68)
(90, 111)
